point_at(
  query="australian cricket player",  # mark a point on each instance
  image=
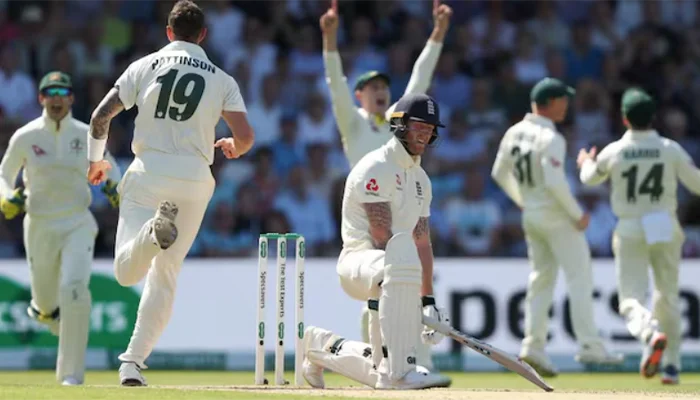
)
(59, 229)
(181, 95)
(643, 169)
(529, 168)
(367, 128)
(387, 260)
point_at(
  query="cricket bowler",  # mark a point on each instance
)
(181, 95)
(367, 128)
(387, 260)
(59, 229)
(529, 167)
(644, 169)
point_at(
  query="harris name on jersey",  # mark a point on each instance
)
(184, 60)
(634, 154)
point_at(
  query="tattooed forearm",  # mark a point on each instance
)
(422, 230)
(379, 215)
(108, 108)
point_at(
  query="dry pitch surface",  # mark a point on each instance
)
(177, 385)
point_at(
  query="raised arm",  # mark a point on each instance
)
(421, 236)
(341, 98)
(593, 172)
(424, 67)
(379, 215)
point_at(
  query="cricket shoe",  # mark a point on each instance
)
(598, 354)
(419, 378)
(540, 362)
(70, 381)
(653, 352)
(670, 375)
(163, 229)
(130, 375)
(314, 339)
(50, 320)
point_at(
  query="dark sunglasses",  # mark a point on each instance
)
(57, 91)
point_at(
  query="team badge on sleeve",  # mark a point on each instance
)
(555, 163)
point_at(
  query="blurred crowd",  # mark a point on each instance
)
(293, 179)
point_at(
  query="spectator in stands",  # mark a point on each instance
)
(474, 220)
(18, 98)
(265, 114)
(307, 213)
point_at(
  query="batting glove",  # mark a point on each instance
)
(430, 336)
(110, 190)
(13, 206)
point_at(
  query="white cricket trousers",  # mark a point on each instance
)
(137, 256)
(59, 253)
(633, 256)
(549, 247)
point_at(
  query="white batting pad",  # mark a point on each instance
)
(400, 306)
(75, 302)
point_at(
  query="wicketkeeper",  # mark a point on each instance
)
(644, 169)
(59, 229)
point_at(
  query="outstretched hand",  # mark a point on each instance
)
(329, 22)
(441, 17)
(584, 155)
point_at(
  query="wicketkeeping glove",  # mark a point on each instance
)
(110, 190)
(13, 206)
(430, 336)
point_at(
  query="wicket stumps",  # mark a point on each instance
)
(281, 296)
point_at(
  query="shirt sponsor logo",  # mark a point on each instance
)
(372, 185)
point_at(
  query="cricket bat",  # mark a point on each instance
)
(501, 357)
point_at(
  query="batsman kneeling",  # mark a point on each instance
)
(386, 261)
(59, 230)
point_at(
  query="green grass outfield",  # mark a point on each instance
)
(238, 385)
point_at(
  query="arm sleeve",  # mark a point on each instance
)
(374, 185)
(115, 173)
(341, 98)
(596, 172)
(423, 69)
(127, 85)
(12, 162)
(688, 173)
(233, 100)
(501, 173)
(555, 179)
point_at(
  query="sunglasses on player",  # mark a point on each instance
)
(57, 91)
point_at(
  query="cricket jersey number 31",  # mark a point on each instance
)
(182, 95)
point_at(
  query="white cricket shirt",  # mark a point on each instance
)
(360, 131)
(530, 169)
(644, 169)
(180, 95)
(54, 157)
(387, 174)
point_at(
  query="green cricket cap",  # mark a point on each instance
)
(56, 79)
(363, 79)
(550, 88)
(638, 107)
